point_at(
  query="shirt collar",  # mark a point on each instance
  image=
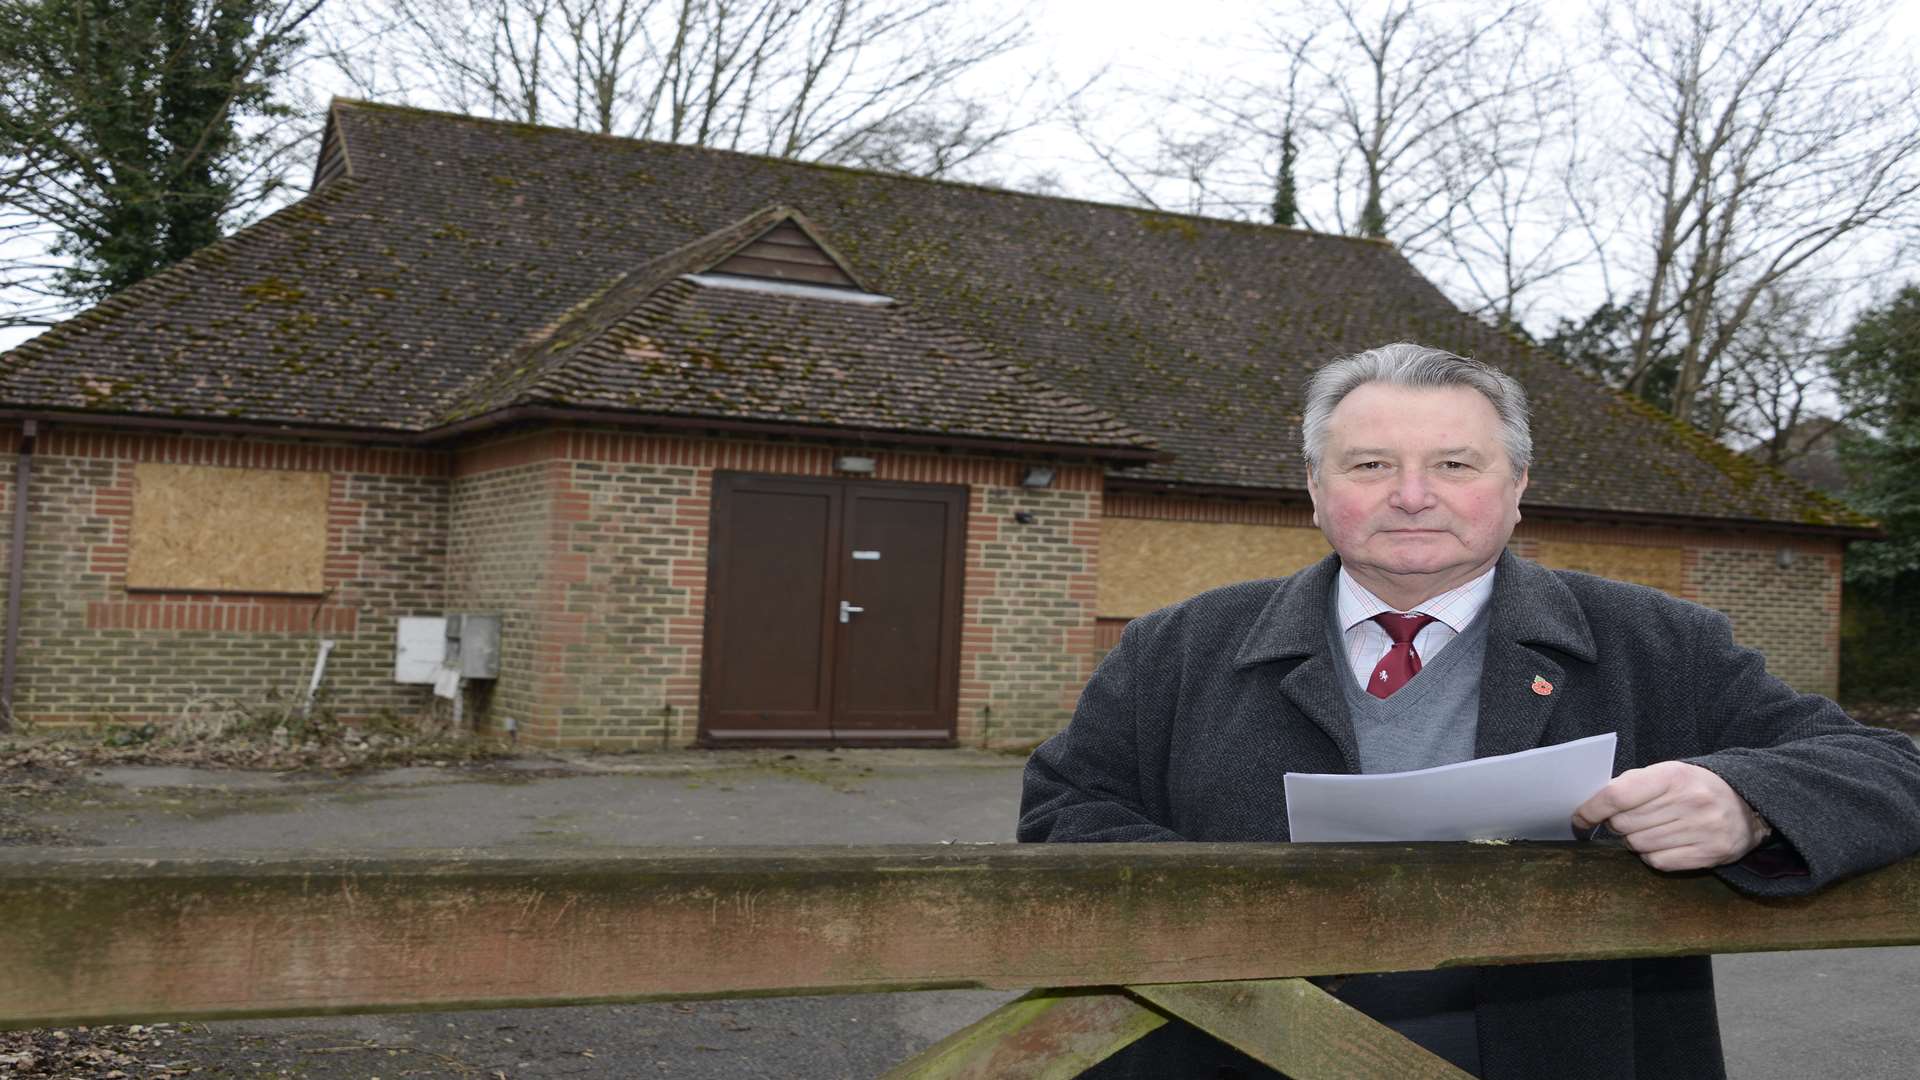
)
(1456, 607)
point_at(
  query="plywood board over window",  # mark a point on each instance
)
(1148, 564)
(1663, 568)
(199, 528)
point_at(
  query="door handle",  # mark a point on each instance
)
(847, 611)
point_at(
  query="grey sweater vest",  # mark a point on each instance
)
(1431, 720)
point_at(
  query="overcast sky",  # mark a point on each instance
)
(1156, 46)
(1148, 48)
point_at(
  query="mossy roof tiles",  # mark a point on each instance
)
(414, 290)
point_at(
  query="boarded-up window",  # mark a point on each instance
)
(1147, 564)
(202, 529)
(1661, 567)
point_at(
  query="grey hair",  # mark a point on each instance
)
(1418, 366)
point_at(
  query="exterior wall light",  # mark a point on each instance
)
(857, 466)
(1038, 476)
(1783, 558)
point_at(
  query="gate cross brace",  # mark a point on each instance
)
(1290, 1024)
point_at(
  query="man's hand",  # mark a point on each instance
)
(1676, 816)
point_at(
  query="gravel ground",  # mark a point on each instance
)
(60, 797)
(1785, 1016)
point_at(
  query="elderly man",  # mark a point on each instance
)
(1422, 641)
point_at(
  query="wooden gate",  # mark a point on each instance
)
(833, 611)
(1220, 935)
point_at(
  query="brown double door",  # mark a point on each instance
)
(833, 611)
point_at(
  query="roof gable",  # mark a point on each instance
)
(684, 335)
(791, 251)
(331, 164)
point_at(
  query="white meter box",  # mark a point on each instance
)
(420, 649)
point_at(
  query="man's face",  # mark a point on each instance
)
(1414, 490)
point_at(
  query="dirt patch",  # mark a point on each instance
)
(42, 767)
(106, 1053)
(30, 778)
(239, 740)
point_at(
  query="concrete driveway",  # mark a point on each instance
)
(1790, 1015)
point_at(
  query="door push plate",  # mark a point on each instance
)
(847, 611)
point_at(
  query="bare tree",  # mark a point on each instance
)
(1394, 88)
(1445, 128)
(1515, 172)
(1767, 132)
(868, 82)
(1776, 396)
(31, 272)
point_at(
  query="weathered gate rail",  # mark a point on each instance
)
(141, 936)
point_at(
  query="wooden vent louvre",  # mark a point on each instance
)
(787, 252)
(332, 164)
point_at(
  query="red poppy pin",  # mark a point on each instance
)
(1542, 686)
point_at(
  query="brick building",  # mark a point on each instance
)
(747, 450)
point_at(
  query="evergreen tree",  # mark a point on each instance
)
(124, 124)
(1602, 343)
(1286, 195)
(1877, 370)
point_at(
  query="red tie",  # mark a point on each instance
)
(1401, 662)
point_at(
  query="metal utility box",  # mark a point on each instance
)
(420, 649)
(473, 645)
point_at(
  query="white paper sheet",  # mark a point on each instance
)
(1530, 795)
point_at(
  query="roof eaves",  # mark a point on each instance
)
(1115, 453)
(201, 425)
(1816, 508)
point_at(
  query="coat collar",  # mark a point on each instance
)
(1535, 616)
(1294, 621)
(1536, 620)
(1530, 605)
(1293, 625)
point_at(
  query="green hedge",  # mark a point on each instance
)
(1880, 642)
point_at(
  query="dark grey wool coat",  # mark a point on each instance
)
(1186, 729)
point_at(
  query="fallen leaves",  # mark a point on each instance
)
(94, 1053)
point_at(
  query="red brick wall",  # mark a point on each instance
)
(612, 622)
(92, 651)
(499, 506)
(1789, 612)
(593, 547)
(1030, 610)
(588, 544)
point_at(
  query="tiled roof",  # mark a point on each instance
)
(409, 292)
(730, 348)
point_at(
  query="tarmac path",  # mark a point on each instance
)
(1784, 1016)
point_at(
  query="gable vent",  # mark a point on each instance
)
(787, 253)
(332, 164)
